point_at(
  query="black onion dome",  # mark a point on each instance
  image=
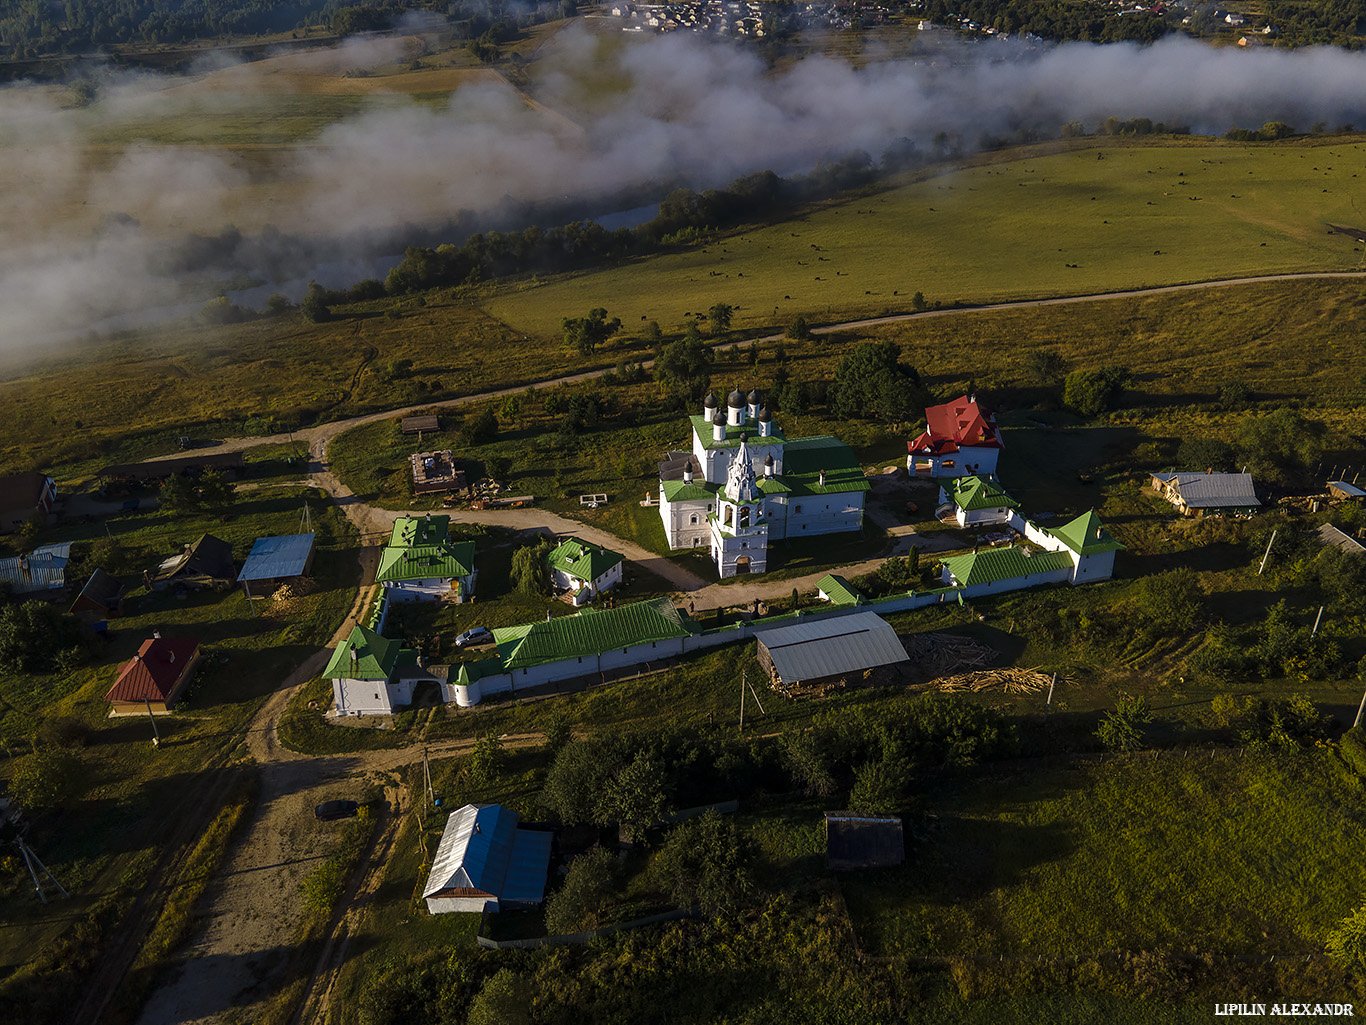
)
(710, 402)
(719, 419)
(736, 400)
(764, 415)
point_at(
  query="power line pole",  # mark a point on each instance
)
(755, 695)
(30, 860)
(1267, 553)
(1357, 722)
(156, 735)
(1047, 705)
(742, 701)
(1315, 631)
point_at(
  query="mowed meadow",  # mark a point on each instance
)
(1092, 216)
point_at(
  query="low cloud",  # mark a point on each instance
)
(90, 219)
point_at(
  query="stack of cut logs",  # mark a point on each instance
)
(1011, 681)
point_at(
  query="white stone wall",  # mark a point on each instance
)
(418, 590)
(982, 517)
(679, 527)
(824, 514)
(1090, 568)
(362, 697)
(444, 905)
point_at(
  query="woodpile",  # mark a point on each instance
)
(1010, 681)
(937, 654)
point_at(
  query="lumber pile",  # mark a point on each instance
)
(938, 654)
(1010, 681)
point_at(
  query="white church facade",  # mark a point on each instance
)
(745, 485)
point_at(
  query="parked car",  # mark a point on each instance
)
(329, 810)
(474, 635)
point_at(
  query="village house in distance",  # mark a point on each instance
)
(745, 484)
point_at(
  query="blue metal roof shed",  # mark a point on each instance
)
(486, 862)
(277, 558)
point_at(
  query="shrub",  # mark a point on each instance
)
(48, 779)
(588, 892)
(1122, 729)
(705, 862)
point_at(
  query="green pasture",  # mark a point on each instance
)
(1127, 216)
(1237, 853)
(132, 397)
(226, 120)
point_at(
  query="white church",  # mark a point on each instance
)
(744, 485)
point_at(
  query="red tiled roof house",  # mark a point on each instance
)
(156, 675)
(960, 438)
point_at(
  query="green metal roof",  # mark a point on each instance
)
(472, 671)
(838, 590)
(973, 493)
(1086, 535)
(677, 491)
(704, 429)
(376, 657)
(995, 564)
(589, 633)
(583, 561)
(416, 531)
(805, 458)
(425, 562)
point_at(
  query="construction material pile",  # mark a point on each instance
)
(937, 654)
(1010, 681)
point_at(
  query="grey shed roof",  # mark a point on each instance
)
(1213, 490)
(1330, 535)
(1348, 490)
(482, 849)
(272, 558)
(44, 570)
(812, 651)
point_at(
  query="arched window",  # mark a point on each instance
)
(692, 520)
(730, 511)
(744, 516)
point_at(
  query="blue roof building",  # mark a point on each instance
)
(274, 559)
(486, 863)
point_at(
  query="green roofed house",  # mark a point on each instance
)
(373, 675)
(584, 570)
(745, 484)
(977, 501)
(838, 591)
(422, 563)
(589, 643)
(1078, 552)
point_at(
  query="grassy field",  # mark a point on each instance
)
(1139, 853)
(133, 397)
(1127, 216)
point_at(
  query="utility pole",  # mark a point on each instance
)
(156, 735)
(1315, 631)
(429, 792)
(742, 701)
(755, 695)
(31, 860)
(1266, 553)
(1357, 721)
(1047, 705)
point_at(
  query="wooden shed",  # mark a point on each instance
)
(855, 841)
(419, 424)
